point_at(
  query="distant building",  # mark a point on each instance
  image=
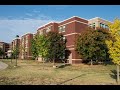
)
(98, 22)
(5, 47)
(15, 44)
(9, 53)
(25, 46)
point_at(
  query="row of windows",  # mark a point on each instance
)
(62, 29)
(101, 25)
(92, 25)
(48, 29)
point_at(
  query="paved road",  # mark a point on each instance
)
(3, 65)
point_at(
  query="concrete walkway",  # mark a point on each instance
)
(3, 65)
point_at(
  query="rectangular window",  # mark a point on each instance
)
(48, 29)
(100, 24)
(93, 25)
(103, 25)
(106, 26)
(63, 37)
(62, 29)
(90, 25)
(41, 32)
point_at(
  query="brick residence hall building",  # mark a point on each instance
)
(70, 28)
(5, 47)
(25, 46)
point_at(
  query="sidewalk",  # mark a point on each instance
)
(3, 65)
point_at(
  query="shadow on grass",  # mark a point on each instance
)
(113, 74)
(108, 63)
(63, 65)
(9, 81)
(70, 79)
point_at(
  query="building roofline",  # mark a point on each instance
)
(2, 42)
(71, 18)
(26, 34)
(46, 24)
(100, 18)
(59, 21)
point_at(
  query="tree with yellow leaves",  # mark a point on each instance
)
(114, 44)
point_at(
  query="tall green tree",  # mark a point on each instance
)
(91, 44)
(40, 46)
(43, 43)
(50, 46)
(114, 44)
(56, 47)
(1, 52)
(34, 47)
(15, 52)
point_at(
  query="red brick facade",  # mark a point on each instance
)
(73, 27)
(25, 46)
(14, 43)
(70, 28)
(5, 47)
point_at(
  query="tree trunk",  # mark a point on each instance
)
(43, 60)
(2, 56)
(16, 60)
(11, 59)
(54, 63)
(91, 62)
(117, 73)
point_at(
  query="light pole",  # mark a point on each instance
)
(17, 36)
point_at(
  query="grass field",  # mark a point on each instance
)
(30, 72)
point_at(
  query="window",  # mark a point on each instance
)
(93, 25)
(63, 37)
(100, 24)
(26, 41)
(48, 29)
(26, 53)
(103, 25)
(90, 25)
(40, 32)
(106, 26)
(62, 29)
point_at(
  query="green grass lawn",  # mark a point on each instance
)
(30, 72)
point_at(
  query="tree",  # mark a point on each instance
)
(34, 47)
(42, 45)
(50, 46)
(15, 53)
(1, 52)
(56, 47)
(114, 44)
(39, 46)
(23, 51)
(91, 44)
